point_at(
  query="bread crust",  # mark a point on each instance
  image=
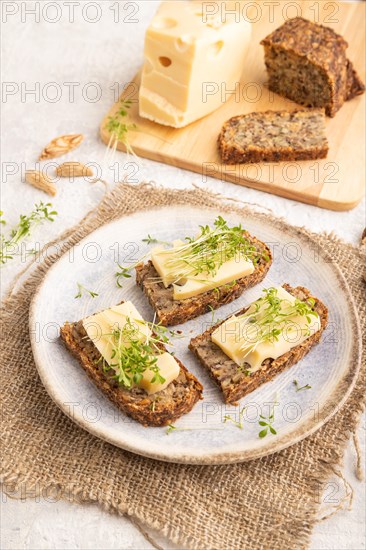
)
(174, 312)
(159, 409)
(232, 392)
(233, 151)
(355, 86)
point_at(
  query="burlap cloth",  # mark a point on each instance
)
(271, 503)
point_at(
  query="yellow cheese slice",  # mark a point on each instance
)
(194, 285)
(168, 369)
(229, 271)
(99, 328)
(194, 60)
(161, 257)
(236, 336)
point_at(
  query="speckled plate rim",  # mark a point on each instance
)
(335, 401)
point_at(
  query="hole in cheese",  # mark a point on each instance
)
(182, 43)
(211, 20)
(163, 23)
(215, 49)
(165, 61)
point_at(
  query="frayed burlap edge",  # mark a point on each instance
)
(121, 202)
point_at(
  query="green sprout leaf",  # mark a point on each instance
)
(300, 388)
(267, 424)
(123, 273)
(41, 213)
(82, 289)
(239, 424)
(119, 126)
(170, 429)
(152, 240)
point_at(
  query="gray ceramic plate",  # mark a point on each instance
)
(203, 437)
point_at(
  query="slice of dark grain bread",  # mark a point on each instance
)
(174, 312)
(273, 136)
(234, 382)
(355, 86)
(307, 63)
(159, 409)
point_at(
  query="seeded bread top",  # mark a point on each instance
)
(299, 129)
(304, 38)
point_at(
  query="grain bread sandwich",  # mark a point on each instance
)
(249, 349)
(127, 360)
(273, 136)
(202, 273)
(307, 63)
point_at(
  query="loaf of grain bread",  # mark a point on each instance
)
(236, 382)
(273, 136)
(307, 63)
(173, 312)
(158, 409)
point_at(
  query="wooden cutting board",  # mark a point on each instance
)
(337, 183)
